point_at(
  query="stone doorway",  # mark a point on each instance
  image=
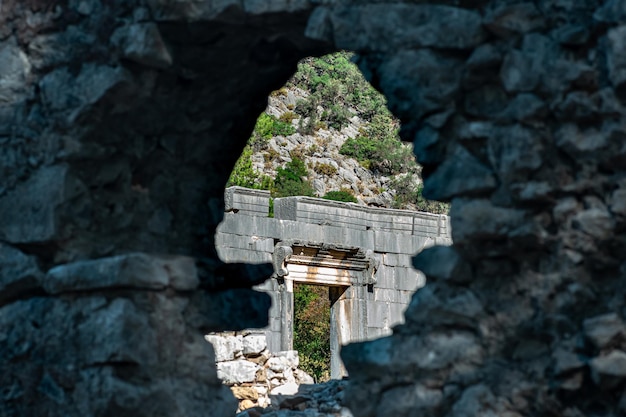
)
(344, 271)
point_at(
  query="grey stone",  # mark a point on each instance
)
(596, 222)
(565, 362)
(515, 152)
(110, 335)
(443, 262)
(93, 84)
(142, 43)
(613, 11)
(618, 202)
(518, 72)
(434, 79)
(430, 26)
(19, 273)
(609, 370)
(509, 19)
(29, 213)
(602, 330)
(14, 70)
(461, 174)
(480, 219)
(616, 57)
(124, 271)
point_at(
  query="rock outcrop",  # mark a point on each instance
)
(120, 121)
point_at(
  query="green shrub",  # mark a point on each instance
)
(409, 191)
(288, 117)
(325, 169)
(268, 126)
(342, 195)
(289, 180)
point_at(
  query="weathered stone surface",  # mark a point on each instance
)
(444, 263)
(226, 347)
(616, 57)
(139, 271)
(254, 344)
(609, 370)
(144, 142)
(29, 213)
(14, 71)
(508, 19)
(461, 174)
(19, 273)
(425, 25)
(142, 43)
(602, 330)
(237, 372)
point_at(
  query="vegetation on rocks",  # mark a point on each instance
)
(326, 116)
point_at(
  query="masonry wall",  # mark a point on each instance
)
(247, 234)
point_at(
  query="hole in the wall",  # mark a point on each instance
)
(298, 148)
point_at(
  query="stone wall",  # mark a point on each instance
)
(386, 238)
(253, 373)
(119, 124)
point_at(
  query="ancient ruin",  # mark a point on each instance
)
(119, 124)
(362, 254)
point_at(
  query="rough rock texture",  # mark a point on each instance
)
(120, 120)
(254, 374)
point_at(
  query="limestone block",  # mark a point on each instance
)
(289, 357)
(230, 255)
(378, 314)
(237, 372)
(136, 270)
(385, 277)
(385, 295)
(226, 348)
(254, 344)
(245, 393)
(394, 243)
(359, 238)
(396, 313)
(408, 278)
(290, 388)
(396, 259)
(250, 242)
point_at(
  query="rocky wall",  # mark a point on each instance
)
(120, 120)
(516, 111)
(254, 374)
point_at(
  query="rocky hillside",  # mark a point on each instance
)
(327, 133)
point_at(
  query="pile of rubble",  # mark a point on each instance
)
(253, 372)
(316, 400)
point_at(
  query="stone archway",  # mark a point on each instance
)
(112, 146)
